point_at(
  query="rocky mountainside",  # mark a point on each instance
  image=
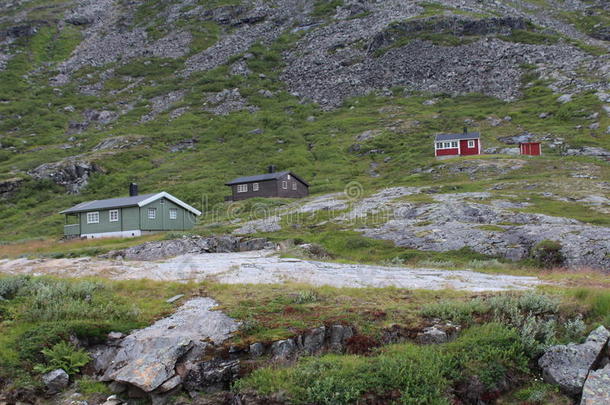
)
(181, 95)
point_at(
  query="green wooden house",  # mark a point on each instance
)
(129, 216)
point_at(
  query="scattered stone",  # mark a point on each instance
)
(174, 298)
(212, 376)
(432, 335)
(283, 349)
(257, 349)
(186, 144)
(569, 365)
(595, 125)
(565, 98)
(367, 135)
(56, 381)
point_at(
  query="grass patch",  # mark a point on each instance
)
(405, 373)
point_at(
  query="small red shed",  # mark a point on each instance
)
(466, 143)
(530, 148)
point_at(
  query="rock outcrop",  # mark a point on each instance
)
(454, 221)
(569, 365)
(72, 173)
(9, 187)
(596, 390)
(189, 245)
(155, 358)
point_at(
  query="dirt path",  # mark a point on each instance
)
(264, 267)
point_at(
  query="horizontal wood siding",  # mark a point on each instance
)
(301, 191)
(447, 152)
(266, 188)
(103, 226)
(162, 221)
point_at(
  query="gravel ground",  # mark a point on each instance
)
(264, 267)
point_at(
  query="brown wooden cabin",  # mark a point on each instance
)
(272, 184)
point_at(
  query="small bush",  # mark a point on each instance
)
(65, 356)
(455, 311)
(305, 297)
(547, 254)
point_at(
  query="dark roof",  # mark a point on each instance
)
(462, 135)
(109, 203)
(263, 177)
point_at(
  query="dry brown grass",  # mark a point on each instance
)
(37, 247)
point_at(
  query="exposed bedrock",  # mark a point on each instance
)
(189, 245)
(493, 231)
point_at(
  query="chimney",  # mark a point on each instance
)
(465, 130)
(271, 169)
(133, 189)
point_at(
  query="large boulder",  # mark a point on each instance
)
(148, 357)
(596, 390)
(569, 365)
(56, 380)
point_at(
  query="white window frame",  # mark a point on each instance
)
(152, 213)
(254, 186)
(454, 144)
(471, 143)
(93, 217)
(439, 145)
(113, 215)
(242, 188)
(294, 185)
(284, 184)
(288, 176)
(173, 213)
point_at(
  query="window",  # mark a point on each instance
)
(294, 185)
(285, 185)
(454, 144)
(471, 143)
(152, 213)
(242, 188)
(173, 213)
(255, 187)
(113, 215)
(288, 177)
(93, 217)
(447, 144)
(439, 145)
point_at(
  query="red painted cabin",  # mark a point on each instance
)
(530, 148)
(464, 144)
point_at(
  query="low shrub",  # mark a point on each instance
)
(305, 297)
(455, 311)
(547, 254)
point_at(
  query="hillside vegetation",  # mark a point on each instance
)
(184, 108)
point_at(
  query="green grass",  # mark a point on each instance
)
(406, 373)
(38, 312)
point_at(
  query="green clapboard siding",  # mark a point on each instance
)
(136, 218)
(103, 226)
(131, 218)
(162, 222)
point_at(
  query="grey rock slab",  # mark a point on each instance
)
(283, 349)
(56, 380)
(147, 357)
(265, 267)
(569, 365)
(596, 390)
